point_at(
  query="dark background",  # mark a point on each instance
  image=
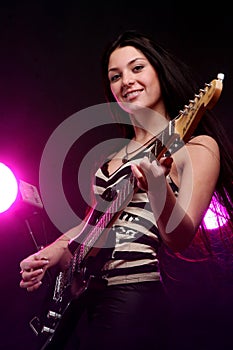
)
(49, 69)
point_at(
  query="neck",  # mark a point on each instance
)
(148, 123)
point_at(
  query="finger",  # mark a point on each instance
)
(166, 161)
(33, 264)
(28, 276)
(140, 177)
(166, 164)
(145, 162)
(34, 287)
(30, 286)
(142, 184)
(38, 256)
(30, 282)
(136, 171)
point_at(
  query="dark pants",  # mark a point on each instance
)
(134, 316)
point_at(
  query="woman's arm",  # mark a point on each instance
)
(198, 166)
(33, 267)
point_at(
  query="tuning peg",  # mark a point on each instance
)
(220, 76)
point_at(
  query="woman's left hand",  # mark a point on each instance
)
(147, 172)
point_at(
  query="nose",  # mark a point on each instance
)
(128, 79)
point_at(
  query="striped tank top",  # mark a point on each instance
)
(134, 257)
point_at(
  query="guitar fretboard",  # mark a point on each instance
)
(123, 193)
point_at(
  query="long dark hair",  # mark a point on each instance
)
(178, 85)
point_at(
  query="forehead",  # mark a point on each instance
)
(124, 55)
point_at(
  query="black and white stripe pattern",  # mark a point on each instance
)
(135, 255)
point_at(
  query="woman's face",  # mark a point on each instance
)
(133, 80)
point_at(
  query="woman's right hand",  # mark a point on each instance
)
(33, 267)
(32, 271)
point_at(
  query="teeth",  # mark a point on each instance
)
(133, 93)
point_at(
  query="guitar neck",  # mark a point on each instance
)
(181, 129)
(190, 116)
(108, 214)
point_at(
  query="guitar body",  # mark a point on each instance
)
(63, 328)
(71, 309)
(94, 245)
(69, 301)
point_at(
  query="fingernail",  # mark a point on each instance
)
(45, 262)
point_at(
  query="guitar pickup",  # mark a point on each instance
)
(57, 290)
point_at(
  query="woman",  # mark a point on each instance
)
(167, 208)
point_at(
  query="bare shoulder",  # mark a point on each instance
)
(203, 139)
(203, 142)
(200, 150)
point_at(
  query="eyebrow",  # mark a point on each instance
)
(129, 63)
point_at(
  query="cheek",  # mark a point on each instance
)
(155, 89)
(115, 93)
(153, 82)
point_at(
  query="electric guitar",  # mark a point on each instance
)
(91, 250)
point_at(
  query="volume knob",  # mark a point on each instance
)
(54, 315)
(47, 330)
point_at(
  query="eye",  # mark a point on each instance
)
(138, 68)
(114, 78)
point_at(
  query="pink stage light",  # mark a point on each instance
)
(8, 188)
(215, 216)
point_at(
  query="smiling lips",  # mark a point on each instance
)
(131, 94)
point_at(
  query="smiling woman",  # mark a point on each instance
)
(134, 80)
(150, 197)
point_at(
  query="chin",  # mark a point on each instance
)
(132, 107)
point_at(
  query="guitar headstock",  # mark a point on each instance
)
(189, 117)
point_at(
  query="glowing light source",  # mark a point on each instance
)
(8, 188)
(215, 216)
